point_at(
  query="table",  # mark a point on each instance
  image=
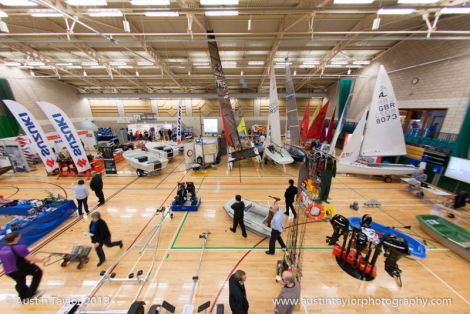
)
(33, 230)
(414, 184)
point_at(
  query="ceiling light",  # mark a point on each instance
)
(311, 62)
(124, 66)
(86, 2)
(255, 62)
(116, 63)
(45, 13)
(150, 2)
(349, 71)
(295, 72)
(241, 73)
(283, 63)
(31, 72)
(359, 62)
(84, 73)
(417, 1)
(18, 3)
(104, 12)
(455, 10)
(249, 23)
(353, 1)
(144, 63)
(189, 73)
(339, 62)
(89, 63)
(12, 64)
(332, 66)
(395, 11)
(74, 67)
(137, 73)
(63, 64)
(161, 13)
(126, 25)
(376, 24)
(222, 13)
(3, 14)
(98, 67)
(229, 64)
(219, 2)
(201, 63)
(34, 63)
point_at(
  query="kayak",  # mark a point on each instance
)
(417, 248)
(456, 238)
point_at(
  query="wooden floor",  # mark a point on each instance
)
(131, 202)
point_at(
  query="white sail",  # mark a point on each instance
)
(384, 134)
(274, 123)
(353, 147)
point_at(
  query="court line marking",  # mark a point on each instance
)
(444, 282)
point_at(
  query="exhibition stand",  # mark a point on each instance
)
(33, 227)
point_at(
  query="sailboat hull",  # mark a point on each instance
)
(278, 154)
(374, 169)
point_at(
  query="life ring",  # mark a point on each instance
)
(315, 211)
(329, 211)
(189, 153)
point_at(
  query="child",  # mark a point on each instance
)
(81, 194)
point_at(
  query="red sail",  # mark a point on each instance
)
(304, 125)
(317, 125)
(329, 136)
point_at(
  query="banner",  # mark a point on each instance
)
(68, 133)
(242, 127)
(228, 118)
(178, 122)
(34, 131)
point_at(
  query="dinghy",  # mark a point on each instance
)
(175, 146)
(146, 163)
(160, 149)
(417, 249)
(272, 144)
(296, 152)
(447, 233)
(255, 215)
(378, 133)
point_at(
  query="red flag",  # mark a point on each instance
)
(304, 125)
(315, 130)
(329, 136)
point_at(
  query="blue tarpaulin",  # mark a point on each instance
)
(33, 230)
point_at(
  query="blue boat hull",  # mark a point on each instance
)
(417, 249)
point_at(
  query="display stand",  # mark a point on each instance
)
(186, 199)
(360, 248)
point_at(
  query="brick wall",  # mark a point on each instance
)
(443, 70)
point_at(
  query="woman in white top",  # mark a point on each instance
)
(81, 194)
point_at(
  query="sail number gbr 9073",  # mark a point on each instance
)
(386, 113)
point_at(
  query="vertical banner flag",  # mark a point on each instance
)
(68, 134)
(32, 128)
(178, 123)
(274, 124)
(228, 117)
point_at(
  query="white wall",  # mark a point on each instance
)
(27, 90)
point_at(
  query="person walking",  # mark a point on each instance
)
(277, 227)
(290, 195)
(289, 296)
(81, 194)
(237, 293)
(18, 263)
(100, 236)
(96, 184)
(238, 215)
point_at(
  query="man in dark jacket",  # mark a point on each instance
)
(237, 293)
(100, 236)
(238, 215)
(289, 195)
(96, 184)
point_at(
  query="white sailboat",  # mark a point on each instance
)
(272, 144)
(378, 133)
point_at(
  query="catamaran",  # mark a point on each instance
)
(378, 133)
(272, 144)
